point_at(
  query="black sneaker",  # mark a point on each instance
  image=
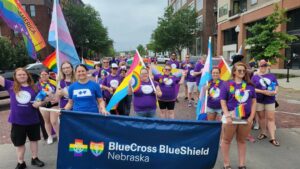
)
(186, 98)
(193, 99)
(21, 166)
(177, 101)
(37, 162)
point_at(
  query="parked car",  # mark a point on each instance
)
(34, 69)
(162, 59)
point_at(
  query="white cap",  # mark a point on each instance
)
(113, 65)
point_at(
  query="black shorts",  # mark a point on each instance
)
(19, 133)
(170, 105)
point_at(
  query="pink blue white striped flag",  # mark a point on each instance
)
(60, 38)
(206, 76)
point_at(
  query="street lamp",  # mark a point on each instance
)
(237, 30)
(289, 65)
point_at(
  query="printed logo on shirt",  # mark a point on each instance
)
(23, 97)
(114, 83)
(192, 72)
(244, 97)
(168, 81)
(147, 89)
(264, 81)
(214, 93)
(173, 65)
(82, 92)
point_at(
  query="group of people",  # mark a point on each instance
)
(80, 89)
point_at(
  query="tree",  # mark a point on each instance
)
(176, 31)
(154, 46)
(13, 56)
(267, 42)
(141, 50)
(87, 30)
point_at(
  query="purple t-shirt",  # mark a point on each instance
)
(198, 68)
(64, 85)
(106, 69)
(96, 73)
(189, 67)
(21, 110)
(265, 82)
(214, 92)
(111, 81)
(232, 102)
(168, 86)
(144, 99)
(173, 63)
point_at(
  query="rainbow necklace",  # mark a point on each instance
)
(213, 88)
(45, 86)
(239, 111)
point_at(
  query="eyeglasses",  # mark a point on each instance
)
(264, 65)
(168, 69)
(114, 68)
(66, 68)
(105, 62)
(241, 71)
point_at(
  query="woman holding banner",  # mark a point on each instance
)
(23, 116)
(85, 95)
(144, 99)
(238, 101)
(168, 85)
(50, 119)
(266, 89)
(214, 110)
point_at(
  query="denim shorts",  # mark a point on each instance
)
(146, 113)
(210, 110)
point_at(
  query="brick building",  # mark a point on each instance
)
(234, 16)
(207, 19)
(40, 12)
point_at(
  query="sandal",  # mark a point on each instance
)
(227, 167)
(274, 142)
(261, 137)
(242, 167)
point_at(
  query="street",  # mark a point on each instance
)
(260, 155)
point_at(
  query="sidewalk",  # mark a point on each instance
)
(260, 155)
(294, 83)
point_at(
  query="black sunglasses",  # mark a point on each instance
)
(241, 70)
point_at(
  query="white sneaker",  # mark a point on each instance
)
(256, 126)
(190, 104)
(49, 140)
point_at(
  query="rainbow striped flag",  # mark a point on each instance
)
(225, 70)
(50, 62)
(122, 90)
(89, 63)
(60, 38)
(17, 19)
(156, 69)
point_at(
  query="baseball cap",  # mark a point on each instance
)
(113, 65)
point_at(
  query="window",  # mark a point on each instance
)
(199, 46)
(230, 36)
(199, 5)
(200, 23)
(223, 10)
(192, 5)
(32, 10)
(294, 16)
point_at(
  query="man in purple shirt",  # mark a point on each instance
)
(190, 87)
(173, 61)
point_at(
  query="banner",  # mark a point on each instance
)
(93, 141)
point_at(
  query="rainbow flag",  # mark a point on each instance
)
(225, 71)
(240, 112)
(89, 63)
(59, 37)
(122, 90)
(156, 69)
(136, 81)
(50, 62)
(17, 19)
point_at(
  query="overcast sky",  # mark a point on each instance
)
(129, 22)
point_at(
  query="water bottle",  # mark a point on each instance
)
(41, 96)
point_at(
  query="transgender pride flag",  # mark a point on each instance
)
(60, 38)
(206, 76)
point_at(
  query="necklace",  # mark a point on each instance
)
(239, 111)
(213, 89)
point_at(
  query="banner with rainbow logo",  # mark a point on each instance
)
(114, 142)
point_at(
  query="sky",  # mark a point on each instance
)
(129, 22)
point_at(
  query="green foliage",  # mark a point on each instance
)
(141, 50)
(267, 42)
(13, 56)
(175, 31)
(86, 28)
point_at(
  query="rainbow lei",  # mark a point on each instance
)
(46, 87)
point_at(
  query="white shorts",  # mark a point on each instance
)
(192, 87)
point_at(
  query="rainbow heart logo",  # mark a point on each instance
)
(97, 148)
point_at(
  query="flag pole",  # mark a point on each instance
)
(56, 37)
(141, 60)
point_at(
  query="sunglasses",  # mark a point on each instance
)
(241, 70)
(105, 62)
(115, 68)
(168, 69)
(264, 65)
